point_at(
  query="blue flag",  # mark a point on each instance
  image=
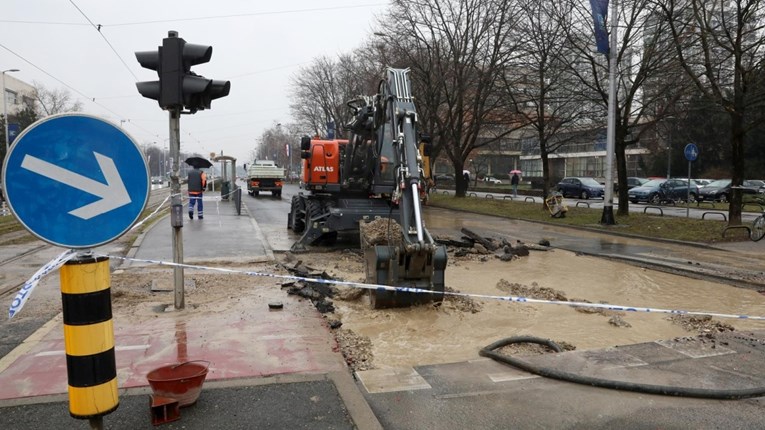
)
(599, 12)
(13, 131)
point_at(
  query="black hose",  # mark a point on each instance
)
(664, 390)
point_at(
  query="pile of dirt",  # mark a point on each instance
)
(462, 303)
(381, 231)
(356, 349)
(701, 324)
(534, 291)
(526, 349)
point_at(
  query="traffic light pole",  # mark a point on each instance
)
(178, 88)
(176, 216)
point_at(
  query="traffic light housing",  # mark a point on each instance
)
(178, 87)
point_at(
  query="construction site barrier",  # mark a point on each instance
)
(661, 211)
(704, 215)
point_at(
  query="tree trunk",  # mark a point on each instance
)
(460, 183)
(545, 176)
(621, 177)
(737, 177)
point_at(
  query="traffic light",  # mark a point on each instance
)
(178, 87)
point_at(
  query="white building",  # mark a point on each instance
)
(18, 95)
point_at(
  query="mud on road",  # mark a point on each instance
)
(456, 329)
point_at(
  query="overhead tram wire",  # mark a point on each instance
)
(75, 90)
(199, 18)
(240, 15)
(98, 29)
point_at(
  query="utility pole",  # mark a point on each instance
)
(607, 218)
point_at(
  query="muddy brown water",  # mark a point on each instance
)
(430, 335)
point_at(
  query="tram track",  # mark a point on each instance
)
(27, 246)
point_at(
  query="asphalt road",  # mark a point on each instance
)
(740, 263)
(475, 402)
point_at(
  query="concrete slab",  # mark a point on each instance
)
(389, 380)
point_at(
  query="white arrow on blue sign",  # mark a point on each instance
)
(75, 180)
(691, 152)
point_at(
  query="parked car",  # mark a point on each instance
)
(580, 187)
(657, 191)
(757, 184)
(632, 182)
(703, 182)
(492, 180)
(719, 191)
(444, 178)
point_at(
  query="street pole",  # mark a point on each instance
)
(669, 154)
(5, 111)
(176, 217)
(688, 194)
(608, 208)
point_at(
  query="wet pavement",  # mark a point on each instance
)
(737, 263)
(283, 369)
(485, 394)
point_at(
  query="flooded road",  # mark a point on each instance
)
(429, 335)
(426, 335)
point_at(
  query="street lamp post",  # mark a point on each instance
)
(669, 145)
(5, 110)
(669, 154)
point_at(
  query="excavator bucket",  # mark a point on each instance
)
(388, 262)
(386, 265)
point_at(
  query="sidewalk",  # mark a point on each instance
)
(267, 369)
(282, 370)
(222, 236)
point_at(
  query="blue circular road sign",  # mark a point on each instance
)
(691, 152)
(75, 180)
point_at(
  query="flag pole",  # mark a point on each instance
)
(608, 209)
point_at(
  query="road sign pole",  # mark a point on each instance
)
(688, 195)
(691, 152)
(89, 338)
(176, 217)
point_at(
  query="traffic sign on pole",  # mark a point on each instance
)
(76, 181)
(691, 152)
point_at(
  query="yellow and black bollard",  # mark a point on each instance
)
(89, 337)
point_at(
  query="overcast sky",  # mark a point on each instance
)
(257, 45)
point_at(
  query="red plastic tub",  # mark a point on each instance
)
(182, 381)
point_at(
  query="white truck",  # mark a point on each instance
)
(265, 175)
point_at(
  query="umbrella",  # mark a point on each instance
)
(514, 171)
(198, 162)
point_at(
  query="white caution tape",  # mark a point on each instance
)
(514, 299)
(138, 224)
(26, 290)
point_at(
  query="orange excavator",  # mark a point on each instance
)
(376, 173)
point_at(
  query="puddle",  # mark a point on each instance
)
(428, 335)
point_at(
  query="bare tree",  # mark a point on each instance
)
(458, 51)
(721, 48)
(321, 91)
(52, 101)
(272, 145)
(540, 84)
(646, 88)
